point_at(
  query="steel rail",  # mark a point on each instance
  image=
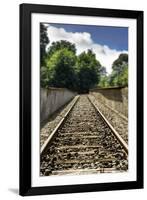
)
(115, 133)
(52, 135)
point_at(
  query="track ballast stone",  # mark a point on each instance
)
(119, 123)
(84, 142)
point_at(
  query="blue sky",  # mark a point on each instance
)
(105, 41)
(114, 37)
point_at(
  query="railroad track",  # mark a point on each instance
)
(83, 142)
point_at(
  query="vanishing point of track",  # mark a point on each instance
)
(83, 142)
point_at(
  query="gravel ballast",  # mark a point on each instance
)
(119, 122)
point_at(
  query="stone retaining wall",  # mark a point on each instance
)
(116, 98)
(52, 99)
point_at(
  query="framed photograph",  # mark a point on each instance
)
(81, 99)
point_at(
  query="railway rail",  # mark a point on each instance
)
(83, 142)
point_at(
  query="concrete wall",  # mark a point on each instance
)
(116, 98)
(52, 99)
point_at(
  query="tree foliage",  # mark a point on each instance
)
(44, 40)
(88, 70)
(103, 71)
(64, 69)
(120, 62)
(119, 78)
(62, 44)
(60, 70)
(103, 82)
(119, 74)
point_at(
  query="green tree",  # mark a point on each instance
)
(119, 62)
(103, 71)
(88, 70)
(103, 81)
(44, 77)
(62, 44)
(44, 40)
(103, 78)
(119, 75)
(122, 79)
(60, 69)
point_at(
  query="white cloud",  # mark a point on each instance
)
(83, 41)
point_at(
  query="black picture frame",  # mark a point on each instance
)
(25, 187)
